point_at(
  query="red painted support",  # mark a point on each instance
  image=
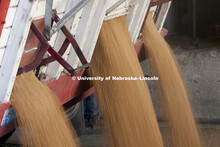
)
(4, 4)
(139, 48)
(67, 88)
(164, 32)
(4, 129)
(44, 46)
(79, 98)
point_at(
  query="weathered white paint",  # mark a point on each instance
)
(7, 26)
(94, 31)
(4, 37)
(13, 3)
(153, 10)
(2, 50)
(119, 11)
(162, 15)
(83, 37)
(14, 48)
(82, 30)
(59, 5)
(53, 39)
(10, 17)
(110, 3)
(136, 16)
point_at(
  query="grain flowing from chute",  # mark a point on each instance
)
(40, 115)
(173, 92)
(129, 116)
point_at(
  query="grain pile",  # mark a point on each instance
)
(128, 113)
(173, 92)
(39, 114)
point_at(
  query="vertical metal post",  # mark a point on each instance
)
(48, 18)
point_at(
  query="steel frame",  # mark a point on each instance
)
(44, 46)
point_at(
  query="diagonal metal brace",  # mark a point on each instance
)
(72, 41)
(44, 46)
(69, 15)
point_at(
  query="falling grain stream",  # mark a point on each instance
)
(128, 113)
(40, 115)
(174, 97)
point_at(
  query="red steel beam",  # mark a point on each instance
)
(4, 129)
(4, 5)
(67, 88)
(44, 46)
(79, 98)
(139, 48)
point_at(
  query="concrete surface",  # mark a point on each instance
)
(210, 136)
(201, 71)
